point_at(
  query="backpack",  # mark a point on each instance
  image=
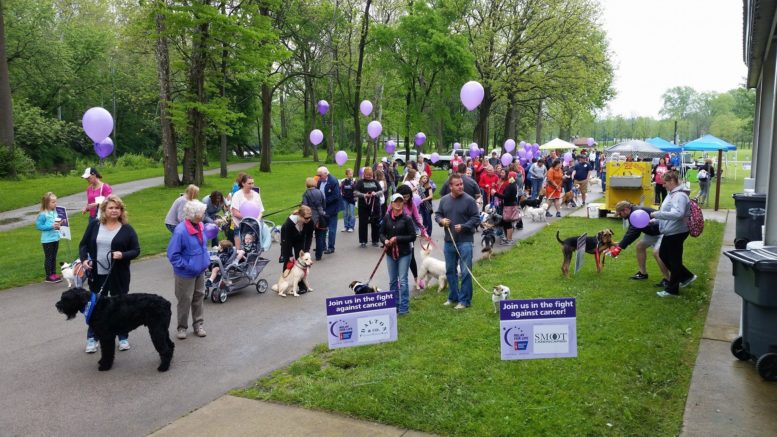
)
(703, 175)
(695, 220)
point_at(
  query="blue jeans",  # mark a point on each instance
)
(536, 186)
(349, 215)
(603, 175)
(332, 231)
(397, 270)
(320, 242)
(459, 293)
(426, 217)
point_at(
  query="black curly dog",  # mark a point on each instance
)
(112, 315)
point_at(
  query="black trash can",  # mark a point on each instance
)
(747, 231)
(755, 276)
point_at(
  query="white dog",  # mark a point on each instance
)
(594, 182)
(500, 293)
(536, 214)
(289, 282)
(67, 274)
(431, 268)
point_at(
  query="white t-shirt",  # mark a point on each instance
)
(239, 198)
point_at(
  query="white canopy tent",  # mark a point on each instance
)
(557, 143)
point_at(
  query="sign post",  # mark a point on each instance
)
(361, 319)
(580, 256)
(538, 328)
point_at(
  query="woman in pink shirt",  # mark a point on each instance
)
(96, 192)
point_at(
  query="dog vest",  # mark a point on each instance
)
(89, 307)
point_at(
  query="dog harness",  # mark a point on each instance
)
(89, 307)
(303, 267)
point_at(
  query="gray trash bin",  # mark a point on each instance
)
(755, 273)
(746, 232)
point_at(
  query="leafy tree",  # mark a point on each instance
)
(6, 106)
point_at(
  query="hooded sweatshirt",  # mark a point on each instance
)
(674, 212)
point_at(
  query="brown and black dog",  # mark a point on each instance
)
(597, 246)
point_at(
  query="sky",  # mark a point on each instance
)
(660, 44)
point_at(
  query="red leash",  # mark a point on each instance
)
(377, 265)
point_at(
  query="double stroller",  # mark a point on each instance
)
(234, 276)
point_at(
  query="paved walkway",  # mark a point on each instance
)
(25, 216)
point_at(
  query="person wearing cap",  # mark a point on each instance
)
(651, 237)
(458, 214)
(96, 192)
(398, 233)
(580, 175)
(329, 186)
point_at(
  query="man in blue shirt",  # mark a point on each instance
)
(331, 188)
(580, 174)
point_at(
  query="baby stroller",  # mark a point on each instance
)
(236, 276)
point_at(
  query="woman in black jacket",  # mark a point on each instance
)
(398, 233)
(368, 190)
(296, 237)
(108, 246)
(511, 213)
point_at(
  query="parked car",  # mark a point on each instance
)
(401, 157)
(445, 158)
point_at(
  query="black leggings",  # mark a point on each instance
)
(50, 257)
(671, 253)
(413, 265)
(367, 215)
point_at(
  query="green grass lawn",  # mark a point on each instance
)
(147, 209)
(444, 374)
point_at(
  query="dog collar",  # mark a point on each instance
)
(89, 307)
(303, 267)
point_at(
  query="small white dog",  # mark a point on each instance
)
(594, 182)
(536, 214)
(500, 293)
(67, 274)
(289, 282)
(431, 268)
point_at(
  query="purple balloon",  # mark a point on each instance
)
(456, 146)
(420, 139)
(98, 123)
(374, 128)
(473, 146)
(391, 146)
(323, 107)
(568, 156)
(522, 144)
(507, 159)
(522, 153)
(639, 218)
(590, 142)
(527, 147)
(361, 172)
(365, 107)
(434, 157)
(341, 157)
(535, 147)
(473, 153)
(316, 136)
(211, 231)
(509, 145)
(529, 155)
(104, 148)
(249, 209)
(472, 95)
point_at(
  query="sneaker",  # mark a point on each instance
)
(344, 230)
(350, 230)
(448, 303)
(460, 307)
(506, 242)
(547, 214)
(639, 276)
(200, 331)
(329, 251)
(664, 293)
(53, 279)
(375, 244)
(181, 335)
(91, 345)
(663, 284)
(124, 345)
(689, 281)
(558, 214)
(362, 244)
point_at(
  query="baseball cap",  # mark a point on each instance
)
(88, 172)
(397, 196)
(384, 159)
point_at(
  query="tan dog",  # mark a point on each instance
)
(597, 246)
(568, 197)
(289, 280)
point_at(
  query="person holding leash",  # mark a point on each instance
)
(458, 213)
(107, 247)
(651, 238)
(398, 234)
(296, 237)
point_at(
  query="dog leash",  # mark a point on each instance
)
(107, 275)
(453, 240)
(281, 210)
(377, 265)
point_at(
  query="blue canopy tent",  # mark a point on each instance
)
(664, 145)
(711, 143)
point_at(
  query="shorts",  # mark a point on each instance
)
(653, 241)
(582, 186)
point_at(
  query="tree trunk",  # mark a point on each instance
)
(481, 128)
(264, 164)
(538, 124)
(408, 100)
(284, 116)
(309, 113)
(510, 117)
(357, 93)
(6, 102)
(169, 148)
(197, 123)
(223, 149)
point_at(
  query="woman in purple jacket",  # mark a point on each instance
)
(188, 253)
